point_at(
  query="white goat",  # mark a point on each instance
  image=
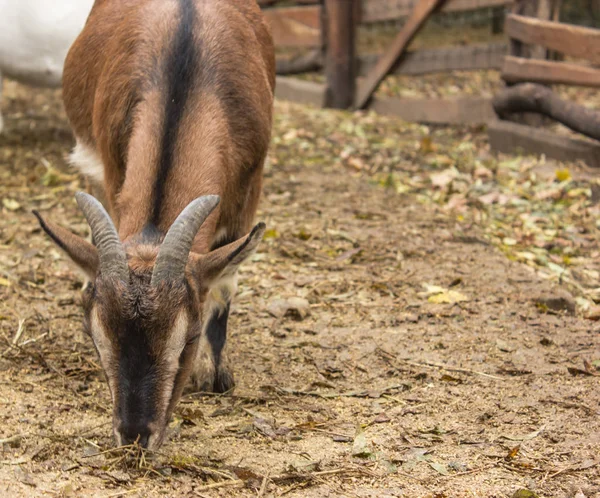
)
(35, 36)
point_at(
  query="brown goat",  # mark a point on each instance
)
(171, 105)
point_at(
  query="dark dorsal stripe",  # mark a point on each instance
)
(180, 71)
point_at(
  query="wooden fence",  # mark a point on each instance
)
(327, 29)
(531, 39)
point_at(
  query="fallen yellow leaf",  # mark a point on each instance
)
(563, 175)
(447, 297)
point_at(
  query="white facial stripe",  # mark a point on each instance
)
(104, 348)
(177, 339)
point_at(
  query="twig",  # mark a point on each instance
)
(19, 333)
(12, 439)
(210, 471)
(222, 484)
(431, 364)
(331, 472)
(122, 493)
(18, 461)
(35, 339)
(15, 342)
(467, 472)
(118, 449)
(263, 486)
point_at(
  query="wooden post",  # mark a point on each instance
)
(522, 8)
(340, 52)
(497, 20)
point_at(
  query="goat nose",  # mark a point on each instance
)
(132, 433)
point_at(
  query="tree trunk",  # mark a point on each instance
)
(530, 97)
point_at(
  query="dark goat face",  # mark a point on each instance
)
(144, 310)
(146, 339)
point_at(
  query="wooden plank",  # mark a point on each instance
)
(417, 62)
(302, 92)
(388, 10)
(470, 110)
(442, 111)
(441, 60)
(340, 56)
(295, 26)
(517, 69)
(420, 14)
(568, 39)
(465, 5)
(514, 138)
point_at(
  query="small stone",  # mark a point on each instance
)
(382, 418)
(558, 300)
(339, 438)
(593, 313)
(410, 317)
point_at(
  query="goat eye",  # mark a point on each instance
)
(192, 340)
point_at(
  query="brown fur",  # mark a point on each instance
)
(116, 93)
(112, 93)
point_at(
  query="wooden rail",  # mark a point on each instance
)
(517, 69)
(387, 10)
(514, 138)
(296, 26)
(442, 60)
(461, 111)
(576, 41)
(413, 63)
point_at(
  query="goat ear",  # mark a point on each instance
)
(81, 252)
(222, 263)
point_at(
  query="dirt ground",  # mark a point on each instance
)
(423, 352)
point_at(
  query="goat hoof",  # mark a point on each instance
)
(223, 380)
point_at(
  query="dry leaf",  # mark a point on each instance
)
(360, 447)
(426, 145)
(512, 453)
(563, 175)
(441, 180)
(447, 297)
(440, 468)
(11, 204)
(527, 437)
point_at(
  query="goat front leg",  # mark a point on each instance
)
(212, 372)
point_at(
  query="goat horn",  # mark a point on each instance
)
(175, 250)
(111, 255)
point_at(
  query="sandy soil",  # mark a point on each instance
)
(378, 389)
